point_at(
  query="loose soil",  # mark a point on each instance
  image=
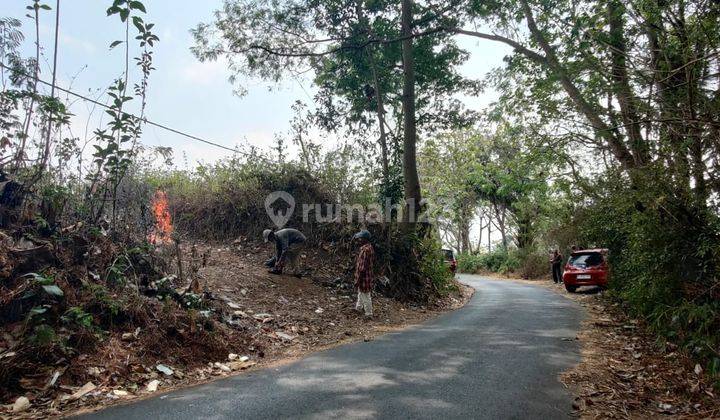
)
(266, 319)
(625, 371)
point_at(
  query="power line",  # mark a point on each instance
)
(100, 104)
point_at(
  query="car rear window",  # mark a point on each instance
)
(448, 254)
(590, 259)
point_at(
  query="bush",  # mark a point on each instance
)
(227, 199)
(469, 263)
(500, 260)
(664, 253)
(432, 266)
(533, 264)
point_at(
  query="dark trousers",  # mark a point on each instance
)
(557, 273)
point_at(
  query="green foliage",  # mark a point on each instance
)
(499, 260)
(43, 335)
(533, 264)
(76, 317)
(432, 267)
(664, 254)
(47, 284)
(193, 301)
(104, 304)
(117, 271)
(469, 262)
(358, 80)
(164, 287)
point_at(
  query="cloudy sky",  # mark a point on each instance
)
(185, 94)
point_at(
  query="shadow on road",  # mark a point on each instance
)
(498, 357)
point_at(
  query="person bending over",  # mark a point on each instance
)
(288, 244)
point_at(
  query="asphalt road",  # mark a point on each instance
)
(497, 357)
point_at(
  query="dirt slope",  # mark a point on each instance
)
(254, 319)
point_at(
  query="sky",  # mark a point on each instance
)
(184, 93)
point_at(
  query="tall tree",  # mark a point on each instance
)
(374, 63)
(446, 161)
(634, 79)
(410, 174)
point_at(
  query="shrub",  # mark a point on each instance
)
(533, 264)
(664, 253)
(469, 263)
(506, 261)
(432, 266)
(227, 199)
(499, 260)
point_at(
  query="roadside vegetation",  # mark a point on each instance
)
(605, 134)
(105, 242)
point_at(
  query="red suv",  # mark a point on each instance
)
(587, 267)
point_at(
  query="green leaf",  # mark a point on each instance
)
(44, 334)
(115, 44)
(53, 290)
(45, 7)
(38, 310)
(39, 278)
(138, 22)
(138, 6)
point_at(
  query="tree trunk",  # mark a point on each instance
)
(500, 215)
(479, 243)
(410, 173)
(465, 239)
(625, 97)
(305, 155)
(610, 134)
(381, 118)
(489, 234)
(464, 228)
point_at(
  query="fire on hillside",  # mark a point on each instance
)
(163, 229)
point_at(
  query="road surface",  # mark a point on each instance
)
(497, 357)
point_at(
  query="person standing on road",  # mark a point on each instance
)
(364, 272)
(556, 262)
(288, 245)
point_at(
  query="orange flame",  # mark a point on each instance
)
(162, 232)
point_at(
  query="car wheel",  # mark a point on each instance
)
(570, 289)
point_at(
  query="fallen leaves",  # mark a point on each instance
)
(165, 369)
(625, 374)
(84, 390)
(152, 386)
(21, 404)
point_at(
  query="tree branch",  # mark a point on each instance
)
(537, 57)
(343, 47)
(618, 148)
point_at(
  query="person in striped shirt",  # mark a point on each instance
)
(364, 272)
